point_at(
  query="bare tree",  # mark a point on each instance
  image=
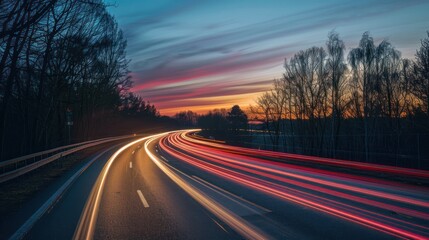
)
(306, 74)
(421, 75)
(270, 106)
(337, 73)
(368, 102)
(57, 56)
(362, 63)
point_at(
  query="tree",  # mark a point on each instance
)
(186, 118)
(307, 77)
(420, 80)
(372, 102)
(214, 123)
(237, 120)
(57, 55)
(134, 105)
(271, 106)
(376, 76)
(336, 68)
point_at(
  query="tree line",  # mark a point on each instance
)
(356, 106)
(61, 62)
(221, 124)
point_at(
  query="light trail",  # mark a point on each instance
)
(363, 200)
(252, 163)
(235, 222)
(87, 222)
(326, 161)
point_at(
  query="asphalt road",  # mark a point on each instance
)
(178, 186)
(170, 213)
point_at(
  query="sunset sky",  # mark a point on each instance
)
(198, 55)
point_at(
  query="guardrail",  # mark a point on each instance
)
(18, 166)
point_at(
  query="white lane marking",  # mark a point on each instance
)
(164, 158)
(133, 152)
(131, 164)
(219, 225)
(145, 204)
(86, 225)
(26, 227)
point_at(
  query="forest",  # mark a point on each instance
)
(63, 75)
(369, 105)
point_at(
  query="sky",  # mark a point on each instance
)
(201, 54)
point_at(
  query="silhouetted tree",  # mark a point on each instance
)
(214, 123)
(58, 56)
(420, 83)
(271, 106)
(230, 126)
(376, 72)
(186, 118)
(133, 105)
(307, 76)
(337, 70)
(237, 120)
(370, 103)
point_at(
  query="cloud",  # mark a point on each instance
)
(174, 59)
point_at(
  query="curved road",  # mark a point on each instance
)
(179, 186)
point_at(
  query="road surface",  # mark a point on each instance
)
(179, 186)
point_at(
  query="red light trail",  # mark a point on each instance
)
(368, 201)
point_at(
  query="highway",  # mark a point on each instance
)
(177, 185)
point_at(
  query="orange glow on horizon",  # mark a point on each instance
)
(206, 104)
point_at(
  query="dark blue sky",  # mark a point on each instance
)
(200, 55)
